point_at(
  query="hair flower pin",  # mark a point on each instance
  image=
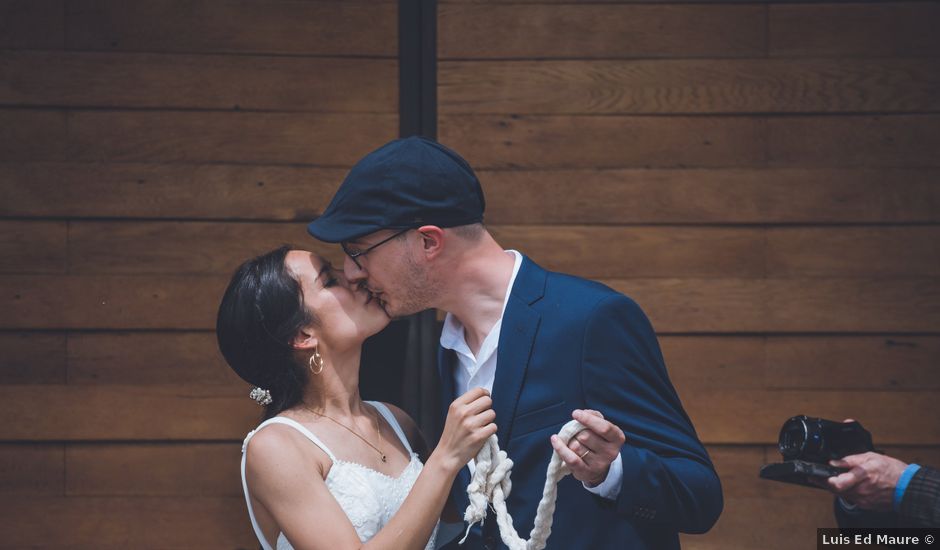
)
(261, 396)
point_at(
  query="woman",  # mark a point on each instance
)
(326, 469)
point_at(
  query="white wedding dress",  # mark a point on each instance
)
(369, 497)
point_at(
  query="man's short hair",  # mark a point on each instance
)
(470, 232)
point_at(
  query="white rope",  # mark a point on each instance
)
(491, 484)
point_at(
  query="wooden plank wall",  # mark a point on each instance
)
(761, 177)
(147, 148)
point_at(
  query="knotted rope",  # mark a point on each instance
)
(491, 484)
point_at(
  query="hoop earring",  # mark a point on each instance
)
(315, 360)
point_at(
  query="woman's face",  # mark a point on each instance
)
(347, 315)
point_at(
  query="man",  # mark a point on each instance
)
(550, 347)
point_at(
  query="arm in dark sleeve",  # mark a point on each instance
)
(920, 505)
(668, 478)
(855, 518)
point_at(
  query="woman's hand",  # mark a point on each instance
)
(469, 424)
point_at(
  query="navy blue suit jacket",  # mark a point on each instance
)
(568, 343)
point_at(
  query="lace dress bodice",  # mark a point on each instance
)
(369, 497)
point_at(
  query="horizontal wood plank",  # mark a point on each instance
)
(33, 247)
(895, 362)
(560, 142)
(854, 29)
(589, 31)
(119, 80)
(31, 469)
(28, 24)
(280, 27)
(220, 413)
(871, 141)
(590, 251)
(324, 139)
(110, 523)
(102, 412)
(755, 416)
(787, 305)
(694, 362)
(153, 469)
(674, 304)
(148, 358)
(672, 87)
(133, 190)
(290, 193)
(32, 358)
(853, 251)
(765, 524)
(96, 302)
(182, 247)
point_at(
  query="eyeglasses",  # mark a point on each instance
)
(355, 254)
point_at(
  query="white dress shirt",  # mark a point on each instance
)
(479, 371)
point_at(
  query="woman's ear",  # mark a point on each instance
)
(304, 339)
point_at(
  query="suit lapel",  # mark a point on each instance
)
(516, 337)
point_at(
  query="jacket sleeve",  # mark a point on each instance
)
(920, 505)
(668, 478)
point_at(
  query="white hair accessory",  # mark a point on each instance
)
(261, 396)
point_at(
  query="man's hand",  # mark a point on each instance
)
(590, 452)
(870, 481)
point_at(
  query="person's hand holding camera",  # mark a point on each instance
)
(870, 482)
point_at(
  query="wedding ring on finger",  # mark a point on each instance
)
(584, 454)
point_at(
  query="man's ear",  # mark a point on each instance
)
(432, 240)
(304, 339)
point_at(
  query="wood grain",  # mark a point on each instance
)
(787, 305)
(722, 305)
(323, 139)
(491, 31)
(562, 142)
(32, 358)
(277, 27)
(28, 24)
(755, 416)
(153, 469)
(808, 362)
(135, 190)
(861, 29)
(31, 469)
(119, 413)
(624, 196)
(788, 195)
(833, 362)
(181, 248)
(695, 363)
(148, 358)
(110, 523)
(871, 141)
(712, 86)
(121, 80)
(33, 247)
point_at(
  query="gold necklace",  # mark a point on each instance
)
(378, 434)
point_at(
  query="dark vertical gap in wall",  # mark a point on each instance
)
(399, 365)
(417, 92)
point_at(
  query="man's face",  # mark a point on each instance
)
(389, 271)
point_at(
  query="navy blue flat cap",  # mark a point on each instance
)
(406, 183)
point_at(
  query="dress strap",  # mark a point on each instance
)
(265, 545)
(390, 417)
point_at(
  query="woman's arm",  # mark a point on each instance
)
(278, 473)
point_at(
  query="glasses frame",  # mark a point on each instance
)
(355, 255)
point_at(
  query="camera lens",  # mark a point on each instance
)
(793, 437)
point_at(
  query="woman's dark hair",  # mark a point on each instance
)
(261, 312)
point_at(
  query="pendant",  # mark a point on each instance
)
(383, 458)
